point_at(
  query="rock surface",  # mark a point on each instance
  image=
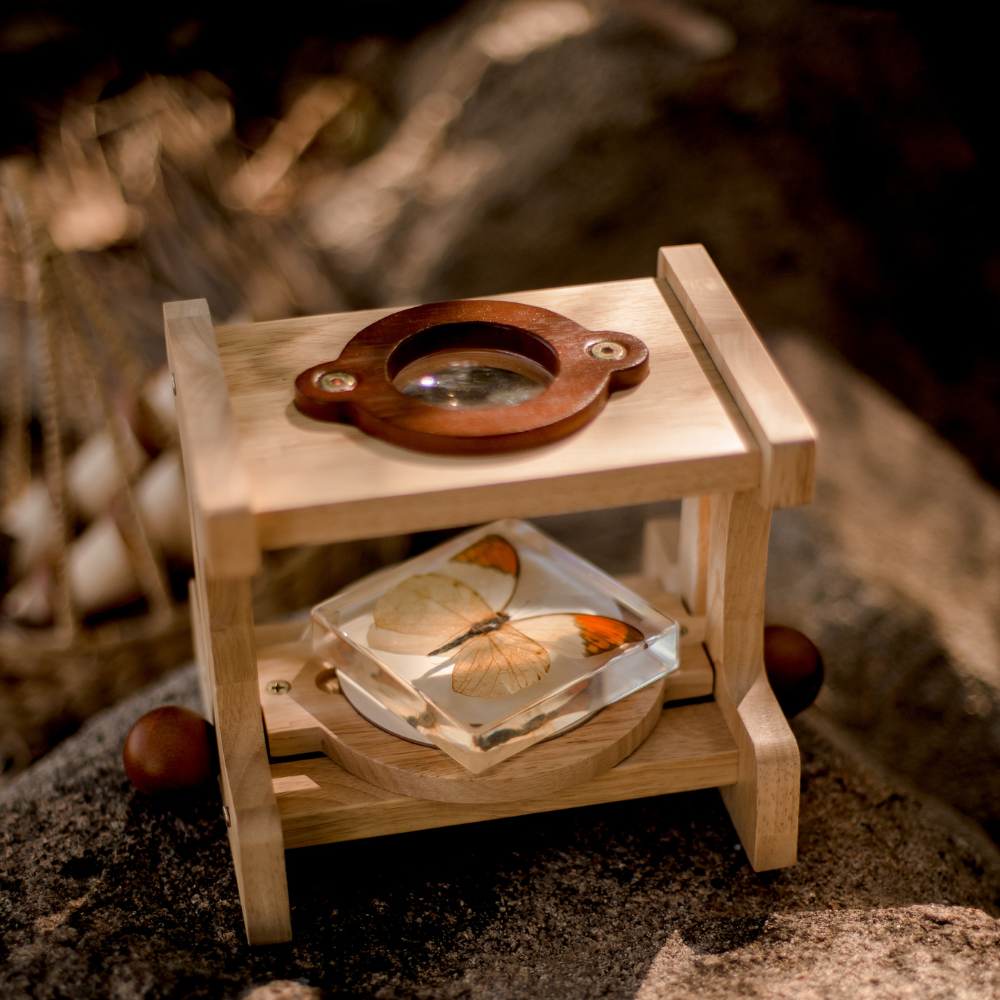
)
(894, 572)
(104, 893)
(917, 951)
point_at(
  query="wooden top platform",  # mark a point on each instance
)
(715, 415)
(679, 433)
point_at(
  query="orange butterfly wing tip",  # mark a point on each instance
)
(599, 634)
(491, 552)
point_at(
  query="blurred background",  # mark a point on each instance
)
(837, 160)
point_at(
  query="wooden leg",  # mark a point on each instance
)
(202, 652)
(227, 643)
(692, 552)
(764, 801)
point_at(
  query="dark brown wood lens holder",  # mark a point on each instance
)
(585, 367)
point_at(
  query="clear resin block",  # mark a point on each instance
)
(492, 642)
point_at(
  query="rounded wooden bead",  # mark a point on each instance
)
(794, 668)
(170, 749)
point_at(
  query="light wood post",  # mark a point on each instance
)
(780, 426)
(764, 801)
(226, 555)
(250, 805)
(692, 551)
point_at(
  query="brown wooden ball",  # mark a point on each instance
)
(794, 668)
(170, 749)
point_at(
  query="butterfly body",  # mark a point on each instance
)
(480, 628)
(465, 607)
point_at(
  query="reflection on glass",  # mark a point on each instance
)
(463, 386)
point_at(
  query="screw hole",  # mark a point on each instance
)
(336, 381)
(326, 680)
(608, 350)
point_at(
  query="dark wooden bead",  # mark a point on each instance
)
(794, 668)
(170, 749)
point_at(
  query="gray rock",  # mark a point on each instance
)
(942, 952)
(104, 893)
(894, 572)
(283, 989)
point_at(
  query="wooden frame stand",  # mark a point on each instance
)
(714, 423)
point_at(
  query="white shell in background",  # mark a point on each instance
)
(31, 522)
(99, 568)
(93, 476)
(161, 497)
(159, 396)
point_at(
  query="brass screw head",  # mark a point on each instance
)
(336, 381)
(607, 350)
(279, 687)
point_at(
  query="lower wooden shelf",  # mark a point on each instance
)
(321, 803)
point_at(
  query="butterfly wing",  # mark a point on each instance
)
(490, 567)
(579, 636)
(423, 612)
(498, 663)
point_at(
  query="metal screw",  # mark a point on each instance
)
(279, 687)
(608, 350)
(225, 813)
(336, 381)
(173, 384)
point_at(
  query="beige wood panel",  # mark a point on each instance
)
(692, 563)
(786, 435)
(675, 551)
(764, 801)
(289, 727)
(202, 653)
(660, 544)
(226, 614)
(427, 773)
(694, 679)
(222, 522)
(678, 433)
(321, 803)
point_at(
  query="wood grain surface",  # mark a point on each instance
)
(426, 772)
(781, 426)
(764, 801)
(678, 433)
(225, 623)
(222, 521)
(692, 561)
(321, 803)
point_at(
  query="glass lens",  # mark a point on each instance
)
(462, 385)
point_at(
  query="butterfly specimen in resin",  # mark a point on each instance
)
(462, 608)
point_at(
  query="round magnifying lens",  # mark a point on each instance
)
(473, 379)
